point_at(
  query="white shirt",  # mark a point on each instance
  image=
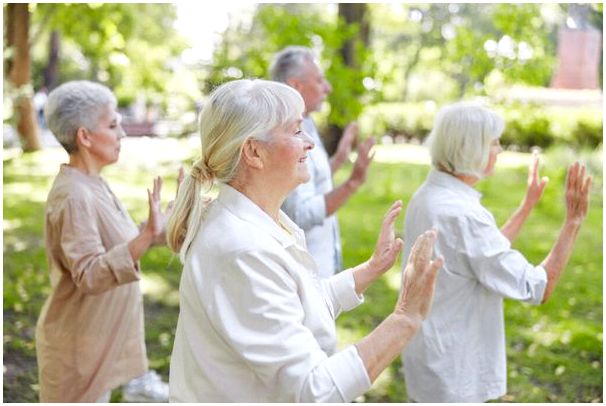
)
(256, 324)
(306, 206)
(458, 355)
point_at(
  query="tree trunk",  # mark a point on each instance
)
(351, 13)
(19, 75)
(51, 72)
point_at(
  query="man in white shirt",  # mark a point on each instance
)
(312, 205)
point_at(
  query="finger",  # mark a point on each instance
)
(390, 218)
(571, 176)
(533, 167)
(425, 249)
(435, 266)
(157, 188)
(412, 258)
(371, 156)
(581, 177)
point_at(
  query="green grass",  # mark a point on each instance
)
(554, 351)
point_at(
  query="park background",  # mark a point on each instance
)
(392, 66)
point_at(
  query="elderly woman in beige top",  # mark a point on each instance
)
(90, 336)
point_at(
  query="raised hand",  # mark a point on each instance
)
(388, 246)
(344, 147)
(535, 186)
(419, 280)
(578, 185)
(360, 169)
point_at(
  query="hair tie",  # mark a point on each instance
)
(201, 172)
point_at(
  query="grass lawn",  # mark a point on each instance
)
(554, 351)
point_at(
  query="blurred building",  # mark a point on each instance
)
(579, 52)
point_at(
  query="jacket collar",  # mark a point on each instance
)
(245, 209)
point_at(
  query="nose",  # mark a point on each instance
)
(121, 132)
(327, 86)
(308, 141)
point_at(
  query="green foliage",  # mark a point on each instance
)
(246, 51)
(130, 47)
(554, 351)
(526, 125)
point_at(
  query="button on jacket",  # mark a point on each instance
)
(89, 336)
(458, 355)
(306, 206)
(256, 324)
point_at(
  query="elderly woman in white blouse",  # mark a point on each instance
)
(256, 322)
(459, 353)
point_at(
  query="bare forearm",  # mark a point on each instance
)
(378, 349)
(140, 244)
(363, 277)
(339, 196)
(556, 260)
(336, 162)
(512, 227)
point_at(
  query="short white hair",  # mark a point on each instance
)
(460, 140)
(73, 105)
(289, 63)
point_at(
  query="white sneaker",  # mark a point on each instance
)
(147, 388)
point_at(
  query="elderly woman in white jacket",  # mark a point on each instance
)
(256, 323)
(459, 353)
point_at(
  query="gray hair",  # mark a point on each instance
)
(460, 140)
(74, 105)
(288, 62)
(235, 112)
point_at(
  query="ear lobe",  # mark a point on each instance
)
(252, 154)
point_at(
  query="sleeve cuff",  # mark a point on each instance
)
(343, 286)
(348, 373)
(536, 282)
(121, 264)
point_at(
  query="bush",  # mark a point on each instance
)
(525, 125)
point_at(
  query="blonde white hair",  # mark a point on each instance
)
(235, 112)
(460, 140)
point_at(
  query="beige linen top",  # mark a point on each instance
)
(90, 336)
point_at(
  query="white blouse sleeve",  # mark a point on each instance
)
(257, 310)
(487, 253)
(340, 291)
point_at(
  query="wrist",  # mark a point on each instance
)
(573, 224)
(527, 206)
(406, 321)
(352, 185)
(146, 237)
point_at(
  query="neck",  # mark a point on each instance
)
(263, 195)
(467, 179)
(83, 164)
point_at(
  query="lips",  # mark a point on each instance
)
(303, 159)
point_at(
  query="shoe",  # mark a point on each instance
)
(147, 388)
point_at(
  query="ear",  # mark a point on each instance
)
(294, 83)
(252, 154)
(83, 138)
